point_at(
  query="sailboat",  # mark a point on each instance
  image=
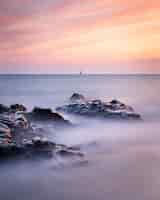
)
(80, 73)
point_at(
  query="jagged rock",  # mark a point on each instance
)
(19, 139)
(3, 108)
(42, 142)
(13, 108)
(14, 121)
(18, 108)
(5, 133)
(8, 150)
(115, 104)
(37, 147)
(46, 114)
(68, 152)
(21, 122)
(76, 97)
(12, 127)
(97, 108)
(6, 120)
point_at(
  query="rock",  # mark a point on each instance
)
(21, 122)
(97, 108)
(115, 104)
(36, 148)
(5, 133)
(77, 97)
(69, 153)
(18, 108)
(114, 101)
(46, 115)
(19, 139)
(3, 108)
(13, 108)
(12, 127)
(43, 145)
(8, 150)
(5, 119)
(14, 121)
(42, 142)
(43, 112)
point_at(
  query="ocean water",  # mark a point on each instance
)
(123, 157)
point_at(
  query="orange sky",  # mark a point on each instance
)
(119, 36)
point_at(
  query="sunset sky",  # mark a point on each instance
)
(66, 36)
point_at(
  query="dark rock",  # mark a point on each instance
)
(7, 121)
(114, 101)
(5, 133)
(77, 97)
(115, 104)
(3, 108)
(9, 150)
(18, 108)
(21, 122)
(36, 148)
(42, 111)
(42, 142)
(12, 127)
(69, 153)
(19, 139)
(46, 115)
(96, 108)
(14, 121)
(44, 145)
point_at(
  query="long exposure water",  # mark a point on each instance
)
(123, 157)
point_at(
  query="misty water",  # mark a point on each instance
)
(123, 157)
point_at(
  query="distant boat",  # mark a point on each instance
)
(80, 73)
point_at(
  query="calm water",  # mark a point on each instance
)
(124, 158)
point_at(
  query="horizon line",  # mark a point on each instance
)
(78, 74)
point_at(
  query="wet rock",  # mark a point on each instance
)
(17, 115)
(42, 142)
(97, 108)
(36, 148)
(8, 150)
(46, 115)
(6, 120)
(14, 121)
(5, 133)
(21, 122)
(76, 97)
(117, 105)
(69, 153)
(3, 108)
(12, 127)
(5, 130)
(19, 140)
(18, 108)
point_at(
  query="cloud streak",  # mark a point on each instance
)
(74, 32)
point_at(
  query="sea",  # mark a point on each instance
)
(123, 158)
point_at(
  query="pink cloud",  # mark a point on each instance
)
(76, 32)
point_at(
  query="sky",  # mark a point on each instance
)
(69, 36)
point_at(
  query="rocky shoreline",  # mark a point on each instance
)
(19, 138)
